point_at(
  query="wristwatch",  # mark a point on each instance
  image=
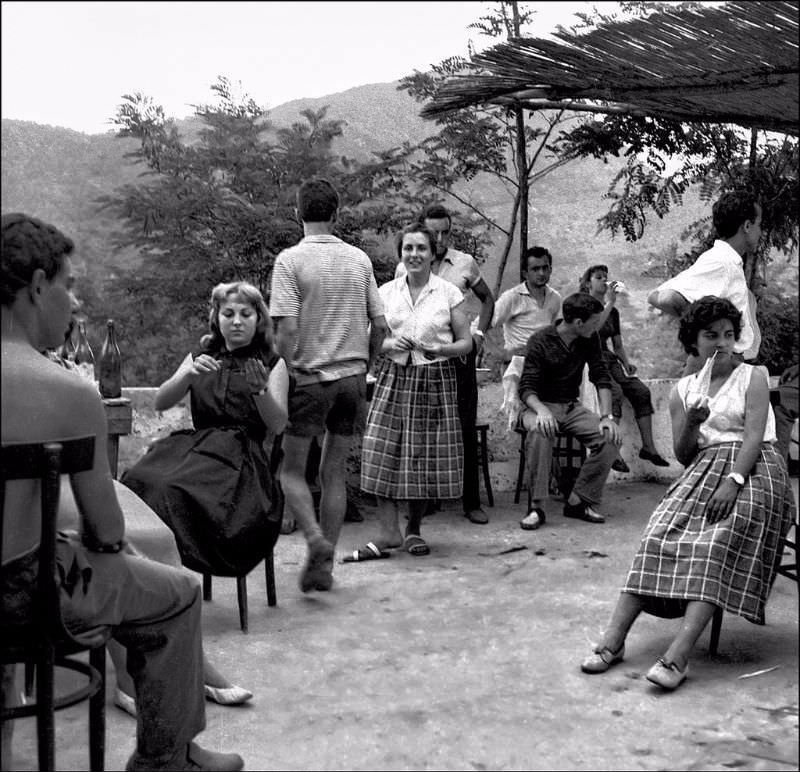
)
(479, 332)
(737, 478)
(610, 417)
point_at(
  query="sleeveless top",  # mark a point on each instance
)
(726, 420)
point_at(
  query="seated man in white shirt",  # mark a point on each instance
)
(720, 270)
(529, 306)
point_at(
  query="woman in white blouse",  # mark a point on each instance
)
(714, 539)
(412, 450)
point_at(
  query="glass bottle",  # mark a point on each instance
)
(84, 357)
(110, 365)
(67, 350)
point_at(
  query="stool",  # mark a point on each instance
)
(483, 459)
(565, 446)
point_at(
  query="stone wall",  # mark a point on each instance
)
(149, 425)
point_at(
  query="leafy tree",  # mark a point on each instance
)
(210, 211)
(504, 142)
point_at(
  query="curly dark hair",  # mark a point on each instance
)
(586, 276)
(28, 245)
(701, 315)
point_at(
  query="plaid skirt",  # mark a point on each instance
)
(730, 563)
(412, 445)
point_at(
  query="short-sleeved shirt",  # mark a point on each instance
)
(553, 371)
(427, 320)
(521, 314)
(719, 271)
(329, 286)
(458, 268)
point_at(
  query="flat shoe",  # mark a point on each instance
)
(415, 545)
(619, 465)
(533, 520)
(230, 695)
(370, 552)
(125, 702)
(653, 458)
(477, 516)
(601, 659)
(583, 512)
(667, 675)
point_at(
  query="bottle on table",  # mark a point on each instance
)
(110, 368)
(84, 357)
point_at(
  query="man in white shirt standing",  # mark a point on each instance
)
(462, 270)
(720, 270)
(529, 306)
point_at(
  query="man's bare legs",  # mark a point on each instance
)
(333, 484)
(316, 573)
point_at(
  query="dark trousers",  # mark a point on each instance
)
(467, 391)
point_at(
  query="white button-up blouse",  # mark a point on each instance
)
(426, 321)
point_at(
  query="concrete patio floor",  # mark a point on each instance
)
(468, 659)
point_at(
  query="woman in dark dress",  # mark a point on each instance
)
(214, 485)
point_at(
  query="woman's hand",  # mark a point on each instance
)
(697, 414)
(430, 350)
(256, 374)
(721, 503)
(203, 363)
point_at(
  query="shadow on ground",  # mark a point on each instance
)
(468, 659)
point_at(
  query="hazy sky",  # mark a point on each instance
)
(69, 63)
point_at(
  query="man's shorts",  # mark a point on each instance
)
(335, 406)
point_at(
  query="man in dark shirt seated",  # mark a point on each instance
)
(548, 388)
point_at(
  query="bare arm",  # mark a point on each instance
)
(270, 392)
(286, 337)
(668, 301)
(101, 519)
(378, 331)
(484, 294)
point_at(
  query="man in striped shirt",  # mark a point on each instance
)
(329, 328)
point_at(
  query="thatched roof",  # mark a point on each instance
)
(736, 63)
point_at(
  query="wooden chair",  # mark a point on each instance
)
(784, 568)
(566, 449)
(44, 643)
(483, 459)
(269, 560)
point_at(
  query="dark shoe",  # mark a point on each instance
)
(601, 659)
(619, 465)
(193, 758)
(317, 569)
(667, 675)
(653, 458)
(583, 511)
(533, 520)
(477, 516)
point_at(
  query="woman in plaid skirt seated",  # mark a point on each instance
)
(713, 540)
(412, 449)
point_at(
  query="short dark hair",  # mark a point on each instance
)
(317, 201)
(29, 244)
(414, 228)
(435, 212)
(732, 210)
(701, 315)
(586, 276)
(580, 305)
(538, 253)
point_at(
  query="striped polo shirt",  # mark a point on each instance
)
(329, 286)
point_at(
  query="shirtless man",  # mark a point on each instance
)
(153, 610)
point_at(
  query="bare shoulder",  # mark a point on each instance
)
(41, 400)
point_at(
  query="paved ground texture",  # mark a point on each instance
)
(469, 659)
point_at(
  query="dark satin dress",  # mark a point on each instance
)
(215, 485)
